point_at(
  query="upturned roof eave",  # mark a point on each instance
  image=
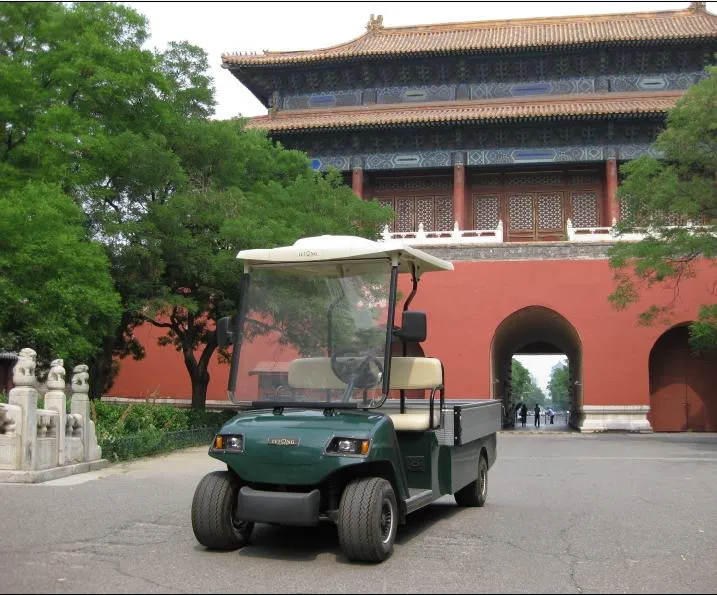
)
(272, 62)
(464, 121)
(556, 108)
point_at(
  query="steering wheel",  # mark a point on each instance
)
(357, 370)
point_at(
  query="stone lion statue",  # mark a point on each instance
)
(23, 374)
(80, 379)
(56, 377)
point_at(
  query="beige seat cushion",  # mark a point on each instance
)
(415, 421)
(416, 373)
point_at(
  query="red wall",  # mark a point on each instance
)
(464, 309)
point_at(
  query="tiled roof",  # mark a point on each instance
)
(691, 23)
(450, 112)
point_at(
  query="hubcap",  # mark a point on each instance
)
(387, 520)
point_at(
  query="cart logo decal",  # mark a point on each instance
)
(284, 441)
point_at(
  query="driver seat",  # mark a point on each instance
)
(408, 373)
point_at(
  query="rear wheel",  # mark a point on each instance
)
(476, 492)
(214, 513)
(368, 519)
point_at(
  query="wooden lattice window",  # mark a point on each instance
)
(520, 212)
(585, 211)
(550, 210)
(435, 212)
(444, 213)
(486, 211)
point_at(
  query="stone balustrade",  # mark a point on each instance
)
(437, 238)
(495, 236)
(41, 444)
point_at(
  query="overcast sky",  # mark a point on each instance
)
(229, 27)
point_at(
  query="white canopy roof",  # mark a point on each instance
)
(331, 249)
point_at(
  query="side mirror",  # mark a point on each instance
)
(225, 336)
(413, 327)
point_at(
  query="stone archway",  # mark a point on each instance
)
(536, 330)
(683, 386)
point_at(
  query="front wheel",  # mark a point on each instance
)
(476, 492)
(368, 519)
(214, 513)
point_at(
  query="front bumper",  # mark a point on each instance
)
(279, 508)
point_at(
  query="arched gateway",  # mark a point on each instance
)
(535, 330)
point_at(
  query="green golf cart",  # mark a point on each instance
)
(342, 418)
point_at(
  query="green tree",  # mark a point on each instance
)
(83, 105)
(665, 195)
(180, 259)
(524, 387)
(56, 293)
(171, 195)
(559, 386)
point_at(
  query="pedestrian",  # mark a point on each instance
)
(536, 409)
(523, 414)
(551, 414)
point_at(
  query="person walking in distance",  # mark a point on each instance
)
(536, 410)
(551, 414)
(523, 414)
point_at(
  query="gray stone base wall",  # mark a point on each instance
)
(606, 418)
(519, 251)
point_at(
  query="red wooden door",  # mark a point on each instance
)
(683, 386)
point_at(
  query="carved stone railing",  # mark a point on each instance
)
(610, 234)
(438, 238)
(600, 234)
(39, 444)
(495, 236)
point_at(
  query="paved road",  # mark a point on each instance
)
(566, 513)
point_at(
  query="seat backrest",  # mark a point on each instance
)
(416, 373)
(313, 373)
(406, 373)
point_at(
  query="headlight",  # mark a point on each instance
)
(348, 446)
(234, 443)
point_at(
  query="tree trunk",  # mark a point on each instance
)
(199, 373)
(199, 390)
(100, 369)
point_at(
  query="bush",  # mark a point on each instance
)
(127, 431)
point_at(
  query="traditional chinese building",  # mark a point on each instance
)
(498, 145)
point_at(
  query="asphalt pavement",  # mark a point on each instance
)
(566, 513)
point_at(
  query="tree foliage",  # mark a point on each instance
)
(524, 387)
(83, 106)
(56, 293)
(673, 199)
(559, 386)
(171, 195)
(186, 247)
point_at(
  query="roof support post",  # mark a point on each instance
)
(613, 205)
(459, 193)
(357, 178)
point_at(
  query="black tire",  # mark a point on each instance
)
(213, 509)
(476, 492)
(368, 519)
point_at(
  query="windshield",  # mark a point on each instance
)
(315, 339)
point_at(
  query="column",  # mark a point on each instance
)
(613, 205)
(459, 193)
(357, 181)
